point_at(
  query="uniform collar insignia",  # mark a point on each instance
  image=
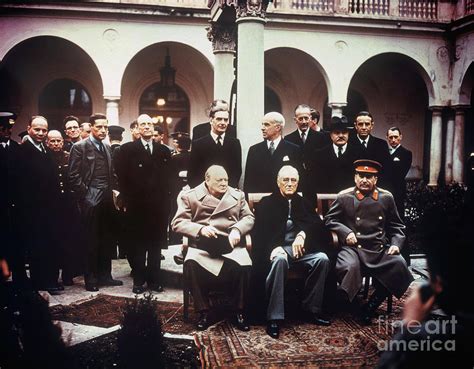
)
(360, 196)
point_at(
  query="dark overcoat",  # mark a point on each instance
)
(331, 174)
(262, 168)
(144, 185)
(375, 222)
(205, 152)
(400, 163)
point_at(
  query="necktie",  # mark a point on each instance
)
(339, 151)
(303, 137)
(364, 143)
(272, 147)
(219, 140)
(147, 148)
(43, 150)
(101, 147)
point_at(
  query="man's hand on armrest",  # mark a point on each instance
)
(234, 237)
(278, 251)
(393, 250)
(208, 232)
(351, 239)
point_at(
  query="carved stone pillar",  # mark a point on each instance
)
(435, 145)
(458, 147)
(112, 109)
(223, 37)
(250, 72)
(336, 109)
(448, 165)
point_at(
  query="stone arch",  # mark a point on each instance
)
(194, 74)
(467, 86)
(298, 78)
(55, 58)
(413, 62)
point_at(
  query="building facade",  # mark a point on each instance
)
(409, 62)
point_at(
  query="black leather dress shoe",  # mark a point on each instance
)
(138, 289)
(92, 288)
(273, 329)
(241, 322)
(203, 321)
(156, 288)
(110, 282)
(319, 320)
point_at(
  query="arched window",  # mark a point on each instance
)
(168, 106)
(64, 97)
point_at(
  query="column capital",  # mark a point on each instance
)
(248, 9)
(223, 37)
(111, 98)
(436, 109)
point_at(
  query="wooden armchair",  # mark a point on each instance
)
(186, 289)
(324, 202)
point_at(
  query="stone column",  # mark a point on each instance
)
(337, 109)
(223, 37)
(250, 72)
(448, 165)
(458, 147)
(112, 109)
(435, 145)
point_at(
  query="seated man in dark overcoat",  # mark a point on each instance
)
(289, 235)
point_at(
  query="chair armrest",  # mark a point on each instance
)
(334, 239)
(248, 243)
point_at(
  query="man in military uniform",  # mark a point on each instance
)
(370, 232)
(69, 229)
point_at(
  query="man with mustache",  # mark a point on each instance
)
(332, 165)
(371, 235)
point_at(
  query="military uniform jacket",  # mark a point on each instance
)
(198, 208)
(375, 222)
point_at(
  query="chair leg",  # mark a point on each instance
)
(366, 286)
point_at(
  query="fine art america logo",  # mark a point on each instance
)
(431, 335)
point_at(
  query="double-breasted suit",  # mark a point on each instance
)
(375, 222)
(144, 185)
(92, 179)
(198, 208)
(206, 152)
(262, 167)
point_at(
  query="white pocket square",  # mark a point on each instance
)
(396, 159)
(286, 158)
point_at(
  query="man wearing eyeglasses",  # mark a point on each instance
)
(371, 233)
(92, 179)
(72, 130)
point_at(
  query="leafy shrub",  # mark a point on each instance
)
(140, 339)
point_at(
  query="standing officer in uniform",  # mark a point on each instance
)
(370, 232)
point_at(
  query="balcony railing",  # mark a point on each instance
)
(408, 9)
(469, 7)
